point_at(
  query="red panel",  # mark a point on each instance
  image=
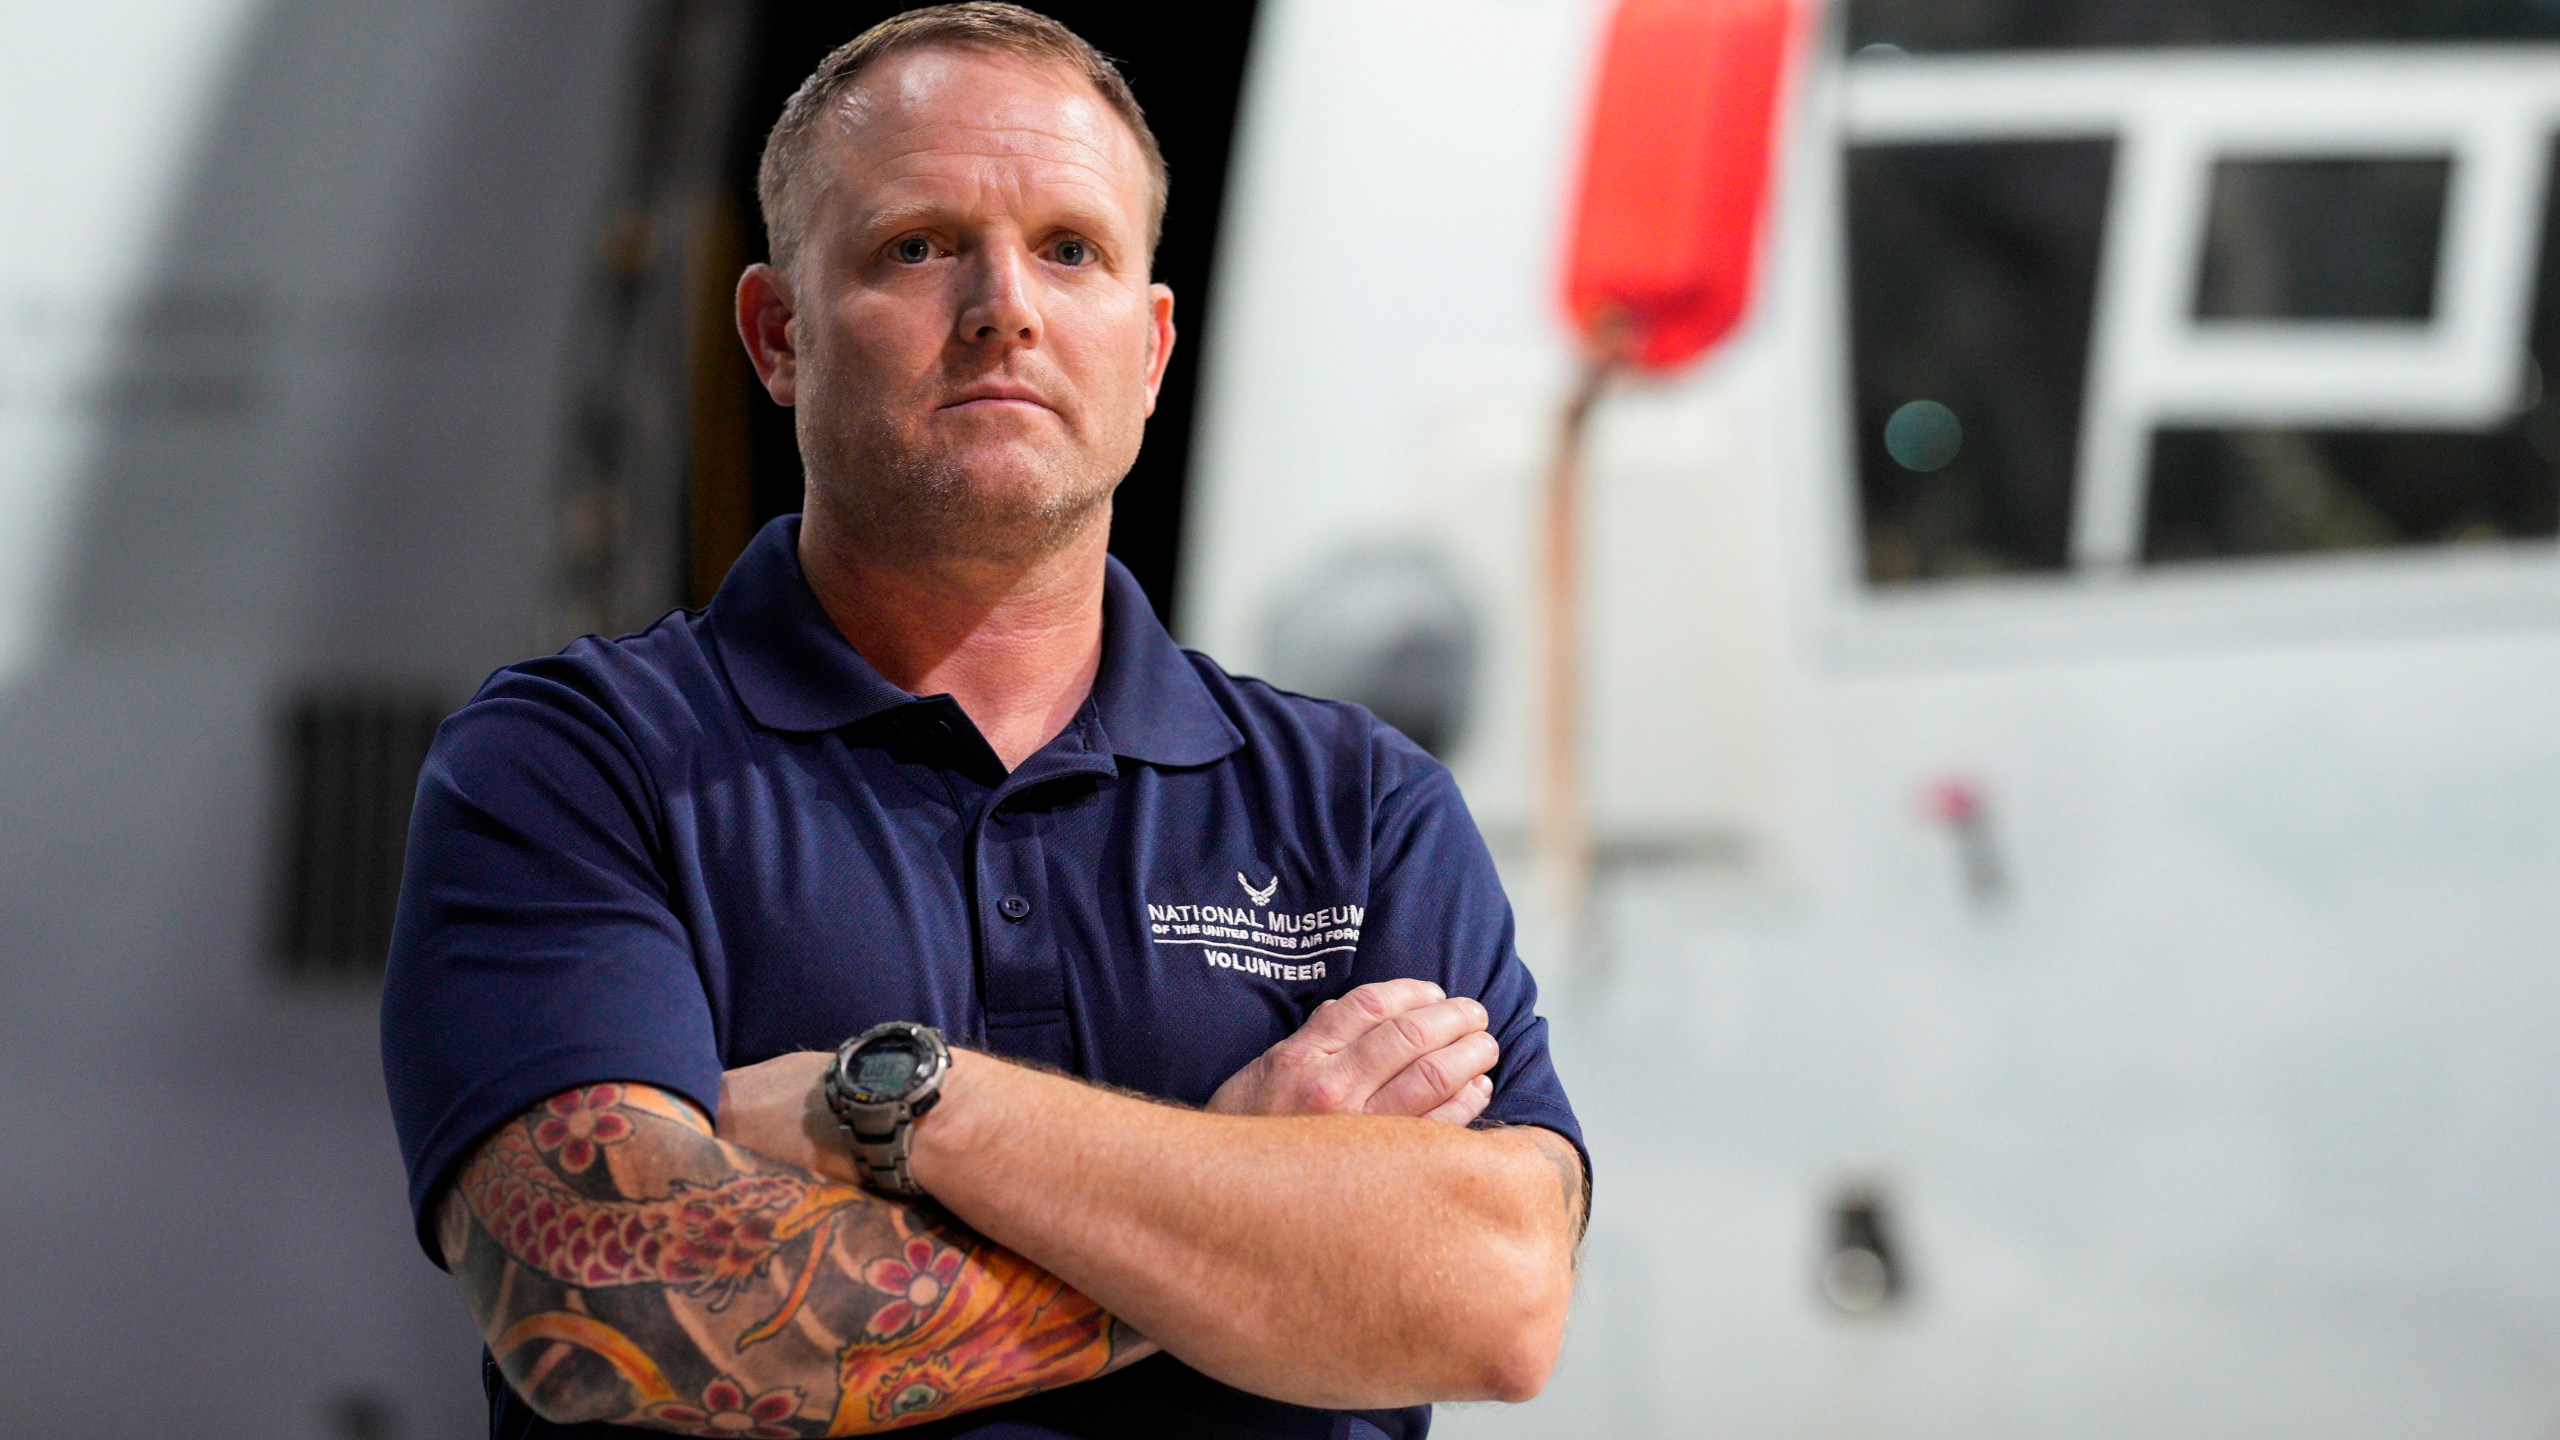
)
(1676, 172)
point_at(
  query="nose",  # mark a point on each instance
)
(997, 309)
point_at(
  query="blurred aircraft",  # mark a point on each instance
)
(2067, 690)
(342, 358)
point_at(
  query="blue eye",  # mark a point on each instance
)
(1074, 252)
(914, 250)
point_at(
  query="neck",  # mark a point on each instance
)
(1016, 641)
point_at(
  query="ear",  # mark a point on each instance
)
(764, 323)
(1159, 339)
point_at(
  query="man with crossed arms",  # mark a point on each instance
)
(746, 966)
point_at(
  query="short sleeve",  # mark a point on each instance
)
(535, 949)
(1437, 910)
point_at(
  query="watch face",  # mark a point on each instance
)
(885, 1068)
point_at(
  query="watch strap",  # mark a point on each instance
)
(880, 1132)
(880, 1154)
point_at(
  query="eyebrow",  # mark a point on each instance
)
(898, 215)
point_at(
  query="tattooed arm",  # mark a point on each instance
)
(1343, 1260)
(1310, 1239)
(627, 1266)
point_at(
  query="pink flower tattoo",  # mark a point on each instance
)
(727, 1410)
(917, 1284)
(575, 1123)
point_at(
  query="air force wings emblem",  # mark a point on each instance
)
(1259, 896)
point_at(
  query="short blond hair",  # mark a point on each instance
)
(977, 25)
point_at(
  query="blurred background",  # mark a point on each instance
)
(2066, 683)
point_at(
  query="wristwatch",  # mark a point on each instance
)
(882, 1081)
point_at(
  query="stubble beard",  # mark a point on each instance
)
(913, 499)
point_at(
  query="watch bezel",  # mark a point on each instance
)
(933, 1062)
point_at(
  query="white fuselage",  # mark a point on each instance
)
(2231, 1112)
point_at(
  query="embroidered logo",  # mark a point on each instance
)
(1254, 939)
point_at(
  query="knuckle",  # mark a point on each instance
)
(1324, 1094)
(1370, 1000)
(1412, 1031)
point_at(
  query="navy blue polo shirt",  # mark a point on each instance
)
(727, 838)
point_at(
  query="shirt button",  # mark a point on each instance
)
(1013, 907)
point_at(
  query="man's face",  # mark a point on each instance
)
(973, 345)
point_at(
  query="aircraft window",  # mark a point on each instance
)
(2333, 239)
(2216, 493)
(1920, 26)
(1973, 269)
(2278, 492)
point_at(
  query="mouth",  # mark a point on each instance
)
(999, 402)
(999, 396)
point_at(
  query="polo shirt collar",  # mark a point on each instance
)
(794, 670)
(1151, 701)
(791, 666)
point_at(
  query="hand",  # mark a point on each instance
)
(1399, 1047)
(779, 1110)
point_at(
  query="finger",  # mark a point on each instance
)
(1467, 1104)
(1390, 1045)
(1338, 1022)
(1437, 1077)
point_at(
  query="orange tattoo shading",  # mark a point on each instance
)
(596, 1338)
(1003, 1329)
(942, 1320)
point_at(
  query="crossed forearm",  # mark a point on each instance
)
(625, 1265)
(1327, 1233)
(1345, 1261)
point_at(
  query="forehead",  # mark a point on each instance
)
(929, 120)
